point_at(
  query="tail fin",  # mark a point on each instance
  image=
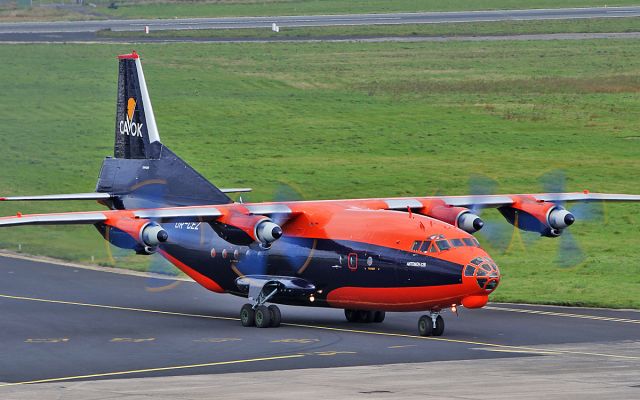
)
(144, 173)
(136, 128)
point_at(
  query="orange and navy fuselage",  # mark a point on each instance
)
(356, 254)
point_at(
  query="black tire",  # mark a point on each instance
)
(247, 315)
(439, 329)
(425, 325)
(263, 317)
(276, 316)
(379, 316)
(351, 315)
(366, 316)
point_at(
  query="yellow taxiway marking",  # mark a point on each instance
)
(328, 328)
(140, 371)
(131, 340)
(117, 307)
(516, 351)
(47, 340)
(560, 314)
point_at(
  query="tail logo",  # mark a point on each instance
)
(129, 127)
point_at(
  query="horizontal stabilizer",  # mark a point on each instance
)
(71, 196)
(235, 190)
(54, 219)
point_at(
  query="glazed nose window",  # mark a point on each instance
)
(485, 271)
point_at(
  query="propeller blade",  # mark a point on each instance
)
(569, 252)
(497, 233)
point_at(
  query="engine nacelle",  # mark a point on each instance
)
(244, 229)
(153, 234)
(268, 232)
(461, 217)
(532, 215)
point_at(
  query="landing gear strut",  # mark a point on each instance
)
(364, 316)
(258, 314)
(431, 325)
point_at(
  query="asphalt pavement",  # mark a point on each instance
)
(317, 20)
(62, 323)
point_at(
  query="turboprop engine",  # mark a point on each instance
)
(244, 229)
(151, 235)
(461, 217)
(544, 217)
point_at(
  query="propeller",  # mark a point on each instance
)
(120, 246)
(260, 260)
(569, 252)
(499, 235)
(504, 237)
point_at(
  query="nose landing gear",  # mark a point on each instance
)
(431, 325)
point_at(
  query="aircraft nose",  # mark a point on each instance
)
(485, 272)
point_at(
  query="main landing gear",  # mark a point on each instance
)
(258, 314)
(364, 315)
(431, 325)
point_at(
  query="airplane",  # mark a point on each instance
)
(366, 256)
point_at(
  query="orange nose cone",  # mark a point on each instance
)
(475, 301)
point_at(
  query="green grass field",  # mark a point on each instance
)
(410, 30)
(171, 9)
(349, 120)
(229, 8)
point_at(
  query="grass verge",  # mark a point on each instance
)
(604, 25)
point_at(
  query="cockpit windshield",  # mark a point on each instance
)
(439, 243)
(443, 244)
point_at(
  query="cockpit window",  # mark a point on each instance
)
(425, 246)
(469, 270)
(443, 245)
(482, 272)
(476, 261)
(416, 245)
(475, 241)
(457, 242)
(468, 242)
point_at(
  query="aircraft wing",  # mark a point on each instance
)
(495, 201)
(203, 213)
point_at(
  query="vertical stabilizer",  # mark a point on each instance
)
(136, 131)
(144, 173)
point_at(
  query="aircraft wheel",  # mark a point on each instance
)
(247, 315)
(263, 317)
(379, 316)
(425, 325)
(366, 316)
(276, 315)
(351, 315)
(439, 329)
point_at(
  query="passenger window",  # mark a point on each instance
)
(468, 242)
(469, 270)
(352, 261)
(443, 245)
(457, 242)
(416, 245)
(425, 246)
